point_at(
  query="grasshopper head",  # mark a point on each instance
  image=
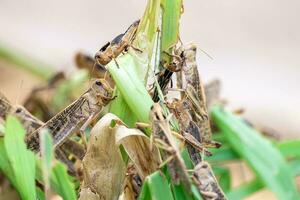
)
(104, 55)
(103, 91)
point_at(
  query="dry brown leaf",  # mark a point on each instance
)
(103, 167)
(137, 146)
(87, 194)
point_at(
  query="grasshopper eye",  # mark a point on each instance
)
(105, 46)
(98, 83)
(18, 110)
(205, 166)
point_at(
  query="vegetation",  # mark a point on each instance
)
(39, 176)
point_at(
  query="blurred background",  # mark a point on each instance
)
(255, 47)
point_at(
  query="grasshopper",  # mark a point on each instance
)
(118, 45)
(76, 117)
(5, 106)
(39, 98)
(196, 94)
(163, 138)
(189, 129)
(31, 123)
(95, 69)
(207, 183)
(84, 61)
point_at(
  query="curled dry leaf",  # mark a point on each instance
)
(87, 194)
(137, 146)
(103, 167)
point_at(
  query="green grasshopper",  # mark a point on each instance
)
(207, 183)
(76, 117)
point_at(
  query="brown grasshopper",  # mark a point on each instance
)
(5, 106)
(84, 61)
(31, 123)
(39, 99)
(119, 44)
(189, 129)
(96, 70)
(76, 117)
(163, 138)
(196, 94)
(207, 183)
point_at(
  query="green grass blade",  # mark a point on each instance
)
(261, 155)
(156, 187)
(224, 178)
(171, 11)
(121, 109)
(46, 157)
(21, 159)
(40, 194)
(64, 187)
(131, 87)
(223, 154)
(54, 182)
(290, 148)
(295, 166)
(35, 67)
(255, 185)
(5, 165)
(245, 190)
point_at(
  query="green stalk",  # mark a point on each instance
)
(131, 87)
(30, 65)
(171, 12)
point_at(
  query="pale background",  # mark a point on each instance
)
(255, 45)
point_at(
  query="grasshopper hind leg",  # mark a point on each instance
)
(212, 144)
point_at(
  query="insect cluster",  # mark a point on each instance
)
(189, 110)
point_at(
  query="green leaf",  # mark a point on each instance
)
(37, 68)
(131, 86)
(171, 11)
(223, 175)
(156, 187)
(55, 183)
(290, 148)
(63, 185)
(121, 109)
(295, 166)
(5, 165)
(186, 158)
(40, 194)
(245, 190)
(179, 192)
(261, 155)
(21, 159)
(46, 157)
(225, 153)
